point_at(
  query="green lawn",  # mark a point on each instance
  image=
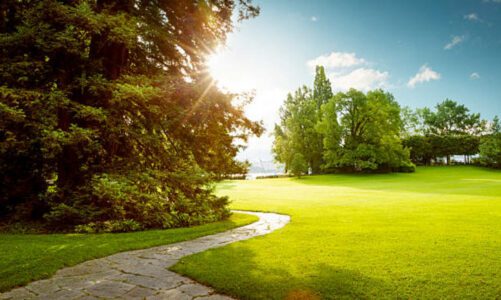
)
(431, 234)
(24, 258)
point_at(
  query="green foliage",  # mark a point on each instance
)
(449, 130)
(297, 131)
(107, 112)
(367, 135)
(450, 118)
(109, 226)
(299, 166)
(424, 148)
(420, 149)
(350, 131)
(490, 147)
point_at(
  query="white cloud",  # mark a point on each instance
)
(425, 74)
(475, 75)
(472, 17)
(336, 60)
(455, 40)
(314, 19)
(361, 79)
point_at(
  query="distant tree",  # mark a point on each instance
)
(299, 166)
(322, 88)
(297, 132)
(412, 121)
(490, 147)
(451, 119)
(331, 131)
(421, 151)
(369, 132)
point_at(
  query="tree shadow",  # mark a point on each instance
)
(234, 270)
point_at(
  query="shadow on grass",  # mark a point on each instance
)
(234, 270)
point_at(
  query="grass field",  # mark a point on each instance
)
(431, 234)
(24, 258)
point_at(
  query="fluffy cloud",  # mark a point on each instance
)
(360, 79)
(425, 74)
(314, 19)
(472, 17)
(345, 70)
(455, 40)
(475, 75)
(336, 60)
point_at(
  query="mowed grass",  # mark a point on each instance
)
(431, 234)
(24, 258)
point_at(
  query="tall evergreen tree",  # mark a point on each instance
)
(322, 88)
(297, 131)
(107, 112)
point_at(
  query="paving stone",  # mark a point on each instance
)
(170, 295)
(157, 283)
(141, 269)
(195, 289)
(43, 287)
(142, 274)
(88, 297)
(109, 289)
(83, 269)
(19, 293)
(139, 293)
(62, 295)
(70, 283)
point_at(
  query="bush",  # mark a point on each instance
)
(118, 203)
(109, 226)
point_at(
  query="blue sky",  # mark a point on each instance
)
(421, 51)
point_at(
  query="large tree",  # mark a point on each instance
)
(107, 112)
(299, 115)
(296, 133)
(363, 132)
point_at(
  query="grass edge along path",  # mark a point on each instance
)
(25, 258)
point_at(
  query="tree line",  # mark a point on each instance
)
(323, 132)
(451, 129)
(108, 118)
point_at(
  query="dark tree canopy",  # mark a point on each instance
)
(107, 113)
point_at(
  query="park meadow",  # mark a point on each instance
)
(250, 149)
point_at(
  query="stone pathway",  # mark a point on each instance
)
(142, 274)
